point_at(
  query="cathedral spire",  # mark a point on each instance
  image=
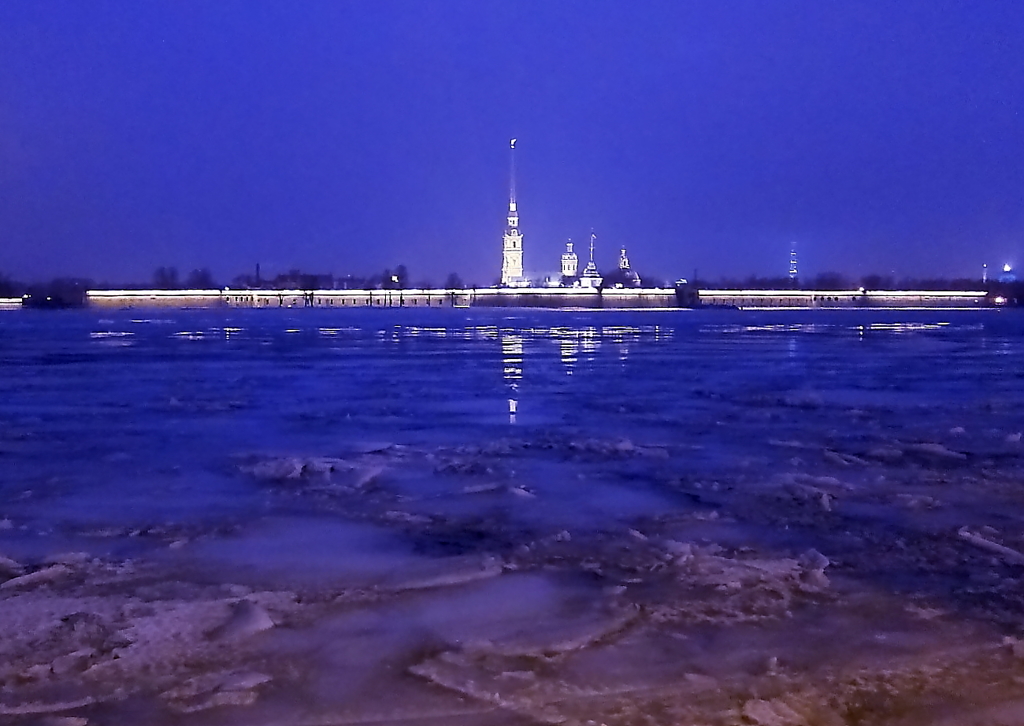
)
(591, 277)
(512, 243)
(512, 175)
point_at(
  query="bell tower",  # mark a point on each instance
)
(570, 262)
(512, 245)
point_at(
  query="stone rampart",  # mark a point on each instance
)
(906, 299)
(568, 298)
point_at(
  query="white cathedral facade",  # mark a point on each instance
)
(512, 251)
(570, 262)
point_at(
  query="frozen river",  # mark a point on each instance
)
(512, 517)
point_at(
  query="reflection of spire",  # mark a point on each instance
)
(512, 358)
(512, 369)
(569, 346)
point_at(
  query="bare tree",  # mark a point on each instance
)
(402, 275)
(830, 281)
(166, 278)
(200, 279)
(8, 287)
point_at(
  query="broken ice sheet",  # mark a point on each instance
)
(635, 551)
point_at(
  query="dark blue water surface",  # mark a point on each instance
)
(636, 504)
(131, 415)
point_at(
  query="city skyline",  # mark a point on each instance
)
(346, 137)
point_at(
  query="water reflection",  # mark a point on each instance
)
(568, 350)
(512, 357)
(512, 365)
(578, 346)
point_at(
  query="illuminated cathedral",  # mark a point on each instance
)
(512, 246)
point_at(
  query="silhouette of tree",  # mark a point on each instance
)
(652, 281)
(166, 278)
(453, 281)
(8, 287)
(200, 279)
(619, 277)
(830, 281)
(876, 282)
(392, 279)
(244, 281)
(402, 273)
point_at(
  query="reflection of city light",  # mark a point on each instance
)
(512, 356)
(569, 349)
(589, 340)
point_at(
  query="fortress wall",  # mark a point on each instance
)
(532, 298)
(842, 299)
(926, 299)
(340, 298)
(273, 298)
(574, 297)
(483, 297)
(778, 298)
(640, 298)
(154, 298)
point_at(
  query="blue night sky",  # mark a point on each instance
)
(347, 137)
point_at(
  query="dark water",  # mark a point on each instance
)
(91, 400)
(125, 416)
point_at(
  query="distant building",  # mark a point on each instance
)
(628, 277)
(512, 247)
(570, 262)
